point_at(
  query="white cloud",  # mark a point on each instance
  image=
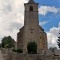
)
(11, 17)
(52, 40)
(59, 24)
(43, 10)
(52, 36)
(43, 23)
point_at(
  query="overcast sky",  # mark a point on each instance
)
(12, 18)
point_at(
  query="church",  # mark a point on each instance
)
(31, 31)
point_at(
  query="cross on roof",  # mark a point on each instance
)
(31, 30)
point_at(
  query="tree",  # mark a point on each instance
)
(7, 42)
(0, 45)
(32, 48)
(58, 41)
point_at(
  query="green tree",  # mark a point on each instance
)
(32, 48)
(7, 42)
(58, 42)
(0, 45)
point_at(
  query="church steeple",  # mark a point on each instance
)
(31, 31)
(31, 1)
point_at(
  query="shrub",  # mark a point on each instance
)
(17, 50)
(14, 50)
(32, 48)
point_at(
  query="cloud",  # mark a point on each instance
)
(59, 24)
(43, 10)
(43, 23)
(11, 17)
(52, 36)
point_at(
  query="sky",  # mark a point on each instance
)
(12, 18)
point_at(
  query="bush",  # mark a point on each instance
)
(14, 50)
(32, 48)
(18, 50)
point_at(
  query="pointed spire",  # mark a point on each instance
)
(31, 1)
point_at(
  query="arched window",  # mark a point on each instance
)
(31, 8)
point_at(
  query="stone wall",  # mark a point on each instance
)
(9, 55)
(4, 52)
(18, 56)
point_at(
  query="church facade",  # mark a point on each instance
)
(31, 31)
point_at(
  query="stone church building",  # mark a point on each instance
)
(31, 31)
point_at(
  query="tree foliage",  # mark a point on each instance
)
(58, 42)
(0, 45)
(7, 42)
(32, 48)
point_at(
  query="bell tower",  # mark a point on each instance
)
(31, 1)
(31, 12)
(31, 31)
(31, 24)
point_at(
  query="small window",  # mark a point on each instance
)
(31, 8)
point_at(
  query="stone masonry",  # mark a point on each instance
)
(31, 31)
